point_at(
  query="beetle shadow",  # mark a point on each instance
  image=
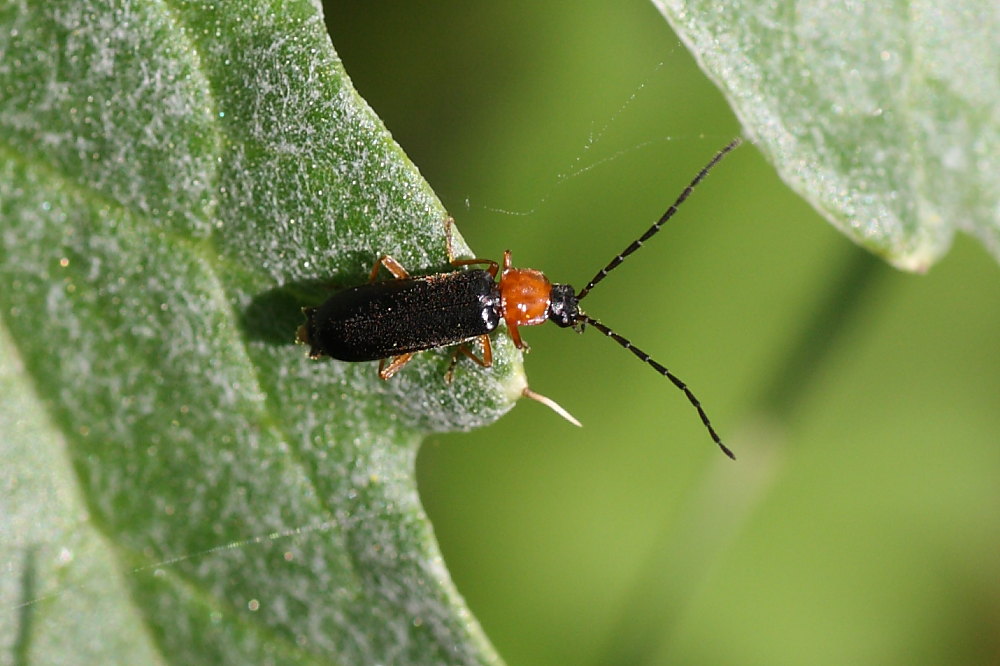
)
(274, 315)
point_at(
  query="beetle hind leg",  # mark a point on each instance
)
(395, 364)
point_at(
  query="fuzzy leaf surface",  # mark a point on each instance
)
(180, 483)
(884, 116)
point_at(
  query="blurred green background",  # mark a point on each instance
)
(861, 523)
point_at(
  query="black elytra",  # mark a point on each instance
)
(393, 319)
(382, 319)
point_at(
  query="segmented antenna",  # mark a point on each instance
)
(636, 244)
(643, 356)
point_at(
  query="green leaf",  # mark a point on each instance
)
(884, 116)
(180, 483)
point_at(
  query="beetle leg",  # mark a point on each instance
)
(395, 365)
(391, 265)
(493, 268)
(486, 361)
(515, 335)
(448, 221)
(449, 374)
(484, 340)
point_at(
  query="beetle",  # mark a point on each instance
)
(391, 320)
